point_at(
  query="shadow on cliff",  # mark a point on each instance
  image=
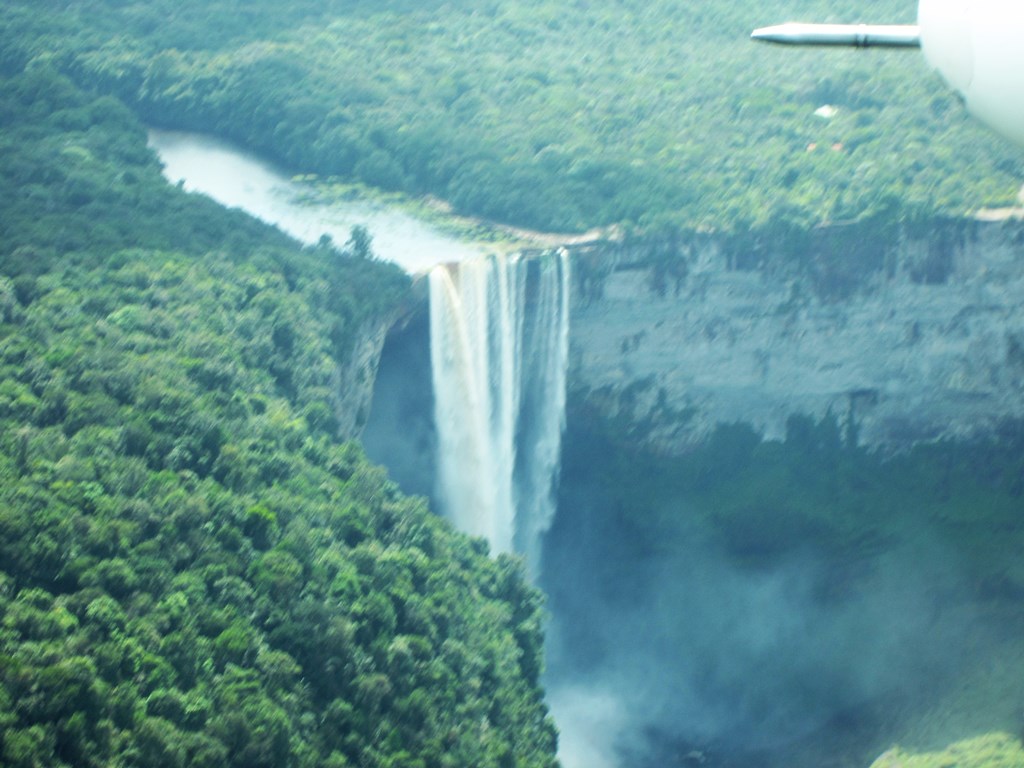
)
(399, 432)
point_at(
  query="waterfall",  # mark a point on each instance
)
(542, 417)
(499, 343)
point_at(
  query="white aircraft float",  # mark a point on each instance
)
(976, 45)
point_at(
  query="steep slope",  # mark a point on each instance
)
(193, 569)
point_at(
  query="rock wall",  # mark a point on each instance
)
(902, 335)
(354, 380)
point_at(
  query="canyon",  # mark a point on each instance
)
(682, 623)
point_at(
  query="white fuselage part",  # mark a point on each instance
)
(978, 47)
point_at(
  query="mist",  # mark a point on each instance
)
(702, 652)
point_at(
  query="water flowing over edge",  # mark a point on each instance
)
(499, 330)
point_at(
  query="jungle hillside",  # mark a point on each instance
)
(194, 568)
(556, 116)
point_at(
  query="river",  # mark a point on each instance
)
(238, 179)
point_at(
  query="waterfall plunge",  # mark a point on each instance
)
(499, 347)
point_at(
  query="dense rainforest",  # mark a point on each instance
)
(560, 116)
(194, 570)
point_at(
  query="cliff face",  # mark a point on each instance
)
(354, 379)
(905, 335)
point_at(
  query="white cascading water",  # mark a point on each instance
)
(499, 347)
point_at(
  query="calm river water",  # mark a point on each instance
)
(237, 179)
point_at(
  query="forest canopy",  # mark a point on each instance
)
(194, 569)
(558, 116)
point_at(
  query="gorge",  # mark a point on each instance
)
(738, 462)
(735, 567)
(757, 632)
